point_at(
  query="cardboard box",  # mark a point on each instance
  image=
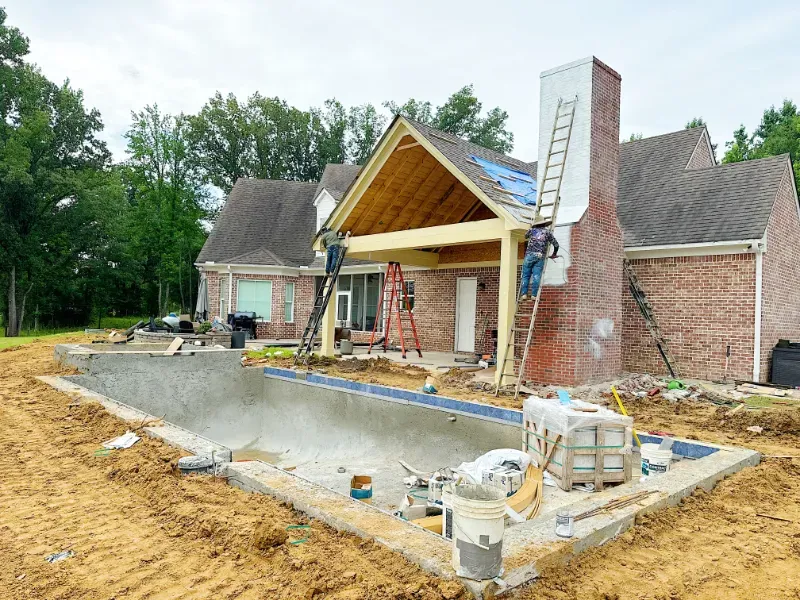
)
(361, 488)
(505, 479)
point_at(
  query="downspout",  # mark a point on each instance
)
(230, 293)
(758, 247)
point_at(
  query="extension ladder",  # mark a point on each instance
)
(649, 317)
(394, 299)
(549, 198)
(323, 296)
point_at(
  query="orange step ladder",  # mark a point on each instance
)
(395, 302)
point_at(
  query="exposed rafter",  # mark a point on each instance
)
(380, 193)
(437, 168)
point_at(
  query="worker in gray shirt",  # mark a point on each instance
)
(332, 244)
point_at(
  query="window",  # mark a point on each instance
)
(255, 296)
(357, 298)
(288, 304)
(410, 293)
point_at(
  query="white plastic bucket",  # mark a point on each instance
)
(447, 512)
(655, 461)
(478, 526)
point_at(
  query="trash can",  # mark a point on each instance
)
(346, 346)
(786, 366)
(238, 339)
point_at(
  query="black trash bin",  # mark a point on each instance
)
(786, 365)
(238, 339)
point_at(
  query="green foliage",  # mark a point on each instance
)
(633, 138)
(778, 133)
(461, 116)
(695, 122)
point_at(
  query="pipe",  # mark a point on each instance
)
(757, 326)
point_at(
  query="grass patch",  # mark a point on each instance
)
(273, 352)
(10, 342)
(769, 401)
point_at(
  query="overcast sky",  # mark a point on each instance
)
(724, 61)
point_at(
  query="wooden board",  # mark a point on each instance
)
(174, 346)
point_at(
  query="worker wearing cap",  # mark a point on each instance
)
(539, 237)
(332, 244)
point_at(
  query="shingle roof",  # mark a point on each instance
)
(458, 151)
(660, 202)
(264, 222)
(336, 179)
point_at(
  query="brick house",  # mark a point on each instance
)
(712, 245)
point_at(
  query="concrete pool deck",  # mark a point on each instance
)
(231, 394)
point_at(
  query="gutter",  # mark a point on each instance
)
(695, 249)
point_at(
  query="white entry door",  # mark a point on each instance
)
(466, 298)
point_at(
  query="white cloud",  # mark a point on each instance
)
(725, 61)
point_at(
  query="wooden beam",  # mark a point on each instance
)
(436, 168)
(439, 204)
(405, 185)
(506, 301)
(416, 258)
(406, 146)
(429, 237)
(380, 193)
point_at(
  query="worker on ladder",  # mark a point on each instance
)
(332, 242)
(539, 237)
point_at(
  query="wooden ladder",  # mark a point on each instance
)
(547, 203)
(394, 300)
(649, 318)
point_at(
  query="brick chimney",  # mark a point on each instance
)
(577, 336)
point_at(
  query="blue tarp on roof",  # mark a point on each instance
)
(521, 185)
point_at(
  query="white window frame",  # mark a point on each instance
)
(412, 297)
(287, 302)
(262, 318)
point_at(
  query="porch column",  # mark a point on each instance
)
(329, 325)
(506, 303)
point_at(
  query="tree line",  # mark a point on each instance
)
(83, 236)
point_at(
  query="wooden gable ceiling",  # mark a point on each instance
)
(412, 190)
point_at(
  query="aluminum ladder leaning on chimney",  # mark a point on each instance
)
(547, 202)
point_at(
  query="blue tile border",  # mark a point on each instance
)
(441, 402)
(508, 415)
(277, 372)
(681, 448)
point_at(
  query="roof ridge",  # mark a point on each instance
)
(660, 135)
(741, 162)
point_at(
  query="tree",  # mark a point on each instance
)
(169, 204)
(48, 146)
(633, 137)
(366, 126)
(695, 122)
(778, 133)
(461, 116)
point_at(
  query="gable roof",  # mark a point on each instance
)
(264, 222)
(336, 179)
(459, 151)
(661, 202)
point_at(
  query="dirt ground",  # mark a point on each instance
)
(139, 531)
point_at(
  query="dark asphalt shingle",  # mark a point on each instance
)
(336, 179)
(264, 222)
(660, 202)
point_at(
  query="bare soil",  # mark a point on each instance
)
(138, 530)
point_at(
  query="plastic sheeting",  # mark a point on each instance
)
(494, 458)
(521, 185)
(550, 414)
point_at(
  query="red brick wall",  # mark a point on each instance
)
(701, 157)
(780, 309)
(276, 327)
(703, 304)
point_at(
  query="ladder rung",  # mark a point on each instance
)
(568, 102)
(519, 329)
(546, 204)
(561, 127)
(559, 140)
(556, 151)
(555, 164)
